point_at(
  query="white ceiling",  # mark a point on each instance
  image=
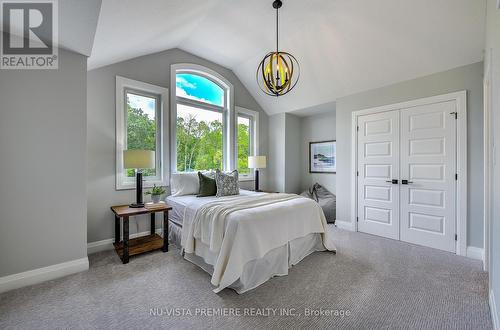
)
(343, 46)
(77, 21)
(77, 24)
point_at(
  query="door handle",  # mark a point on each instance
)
(406, 182)
(393, 181)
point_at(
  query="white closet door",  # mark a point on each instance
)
(378, 165)
(428, 163)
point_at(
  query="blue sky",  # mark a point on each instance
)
(199, 88)
(189, 86)
(146, 104)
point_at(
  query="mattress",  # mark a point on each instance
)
(179, 203)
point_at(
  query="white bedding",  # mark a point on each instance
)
(176, 215)
(179, 203)
(240, 245)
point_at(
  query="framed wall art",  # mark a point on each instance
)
(323, 157)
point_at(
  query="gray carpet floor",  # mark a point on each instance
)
(371, 283)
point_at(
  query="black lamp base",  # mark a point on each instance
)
(257, 181)
(138, 192)
(136, 206)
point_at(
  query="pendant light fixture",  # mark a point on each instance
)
(278, 72)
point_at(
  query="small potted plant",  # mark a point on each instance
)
(156, 193)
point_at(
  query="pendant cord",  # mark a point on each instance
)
(277, 31)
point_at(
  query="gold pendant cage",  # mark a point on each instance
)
(278, 73)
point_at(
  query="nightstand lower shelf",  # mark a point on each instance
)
(140, 245)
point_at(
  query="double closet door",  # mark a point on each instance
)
(407, 175)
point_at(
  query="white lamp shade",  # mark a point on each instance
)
(257, 162)
(138, 159)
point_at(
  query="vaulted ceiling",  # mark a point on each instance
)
(343, 46)
(77, 25)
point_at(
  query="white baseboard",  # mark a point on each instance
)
(107, 244)
(345, 225)
(104, 245)
(475, 253)
(44, 274)
(494, 311)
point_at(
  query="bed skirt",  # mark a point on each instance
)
(274, 263)
(174, 233)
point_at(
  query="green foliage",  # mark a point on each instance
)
(243, 148)
(141, 134)
(199, 145)
(156, 191)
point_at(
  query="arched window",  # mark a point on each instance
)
(201, 112)
(198, 88)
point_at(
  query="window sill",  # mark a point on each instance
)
(246, 179)
(145, 185)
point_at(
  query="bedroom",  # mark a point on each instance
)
(177, 80)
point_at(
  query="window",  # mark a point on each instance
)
(199, 139)
(209, 132)
(246, 144)
(139, 125)
(201, 113)
(142, 126)
(194, 87)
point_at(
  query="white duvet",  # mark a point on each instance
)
(240, 229)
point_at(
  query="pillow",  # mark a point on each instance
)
(184, 184)
(208, 187)
(227, 183)
(309, 194)
(321, 192)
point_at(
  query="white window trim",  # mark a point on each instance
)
(228, 111)
(254, 115)
(123, 84)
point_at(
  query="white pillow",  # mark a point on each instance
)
(184, 184)
(187, 183)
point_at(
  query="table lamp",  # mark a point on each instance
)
(138, 160)
(257, 162)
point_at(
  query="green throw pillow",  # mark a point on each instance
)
(208, 186)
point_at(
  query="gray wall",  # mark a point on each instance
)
(276, 158)
(464, 78)
(284, 153)
(43, 209)
(316, 128)
(154, 69)
(493, 42)
(289, 137)
(293, 154)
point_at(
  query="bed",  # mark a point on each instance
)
(244, 240)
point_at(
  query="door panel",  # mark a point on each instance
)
(428, 162)
(378, 162)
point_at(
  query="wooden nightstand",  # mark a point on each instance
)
(129, 247)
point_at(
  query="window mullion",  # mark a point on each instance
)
(197, 104)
